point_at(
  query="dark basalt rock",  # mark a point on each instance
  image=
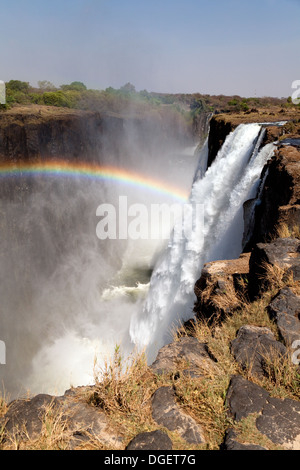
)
(167, 413)
(244, 398)
(285, 310)
(254, 348)
(27, 414)
(186, 350)
(280, 198)
(278, 420)
(155, 440)
(231, 443)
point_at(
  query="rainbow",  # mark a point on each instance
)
(91, 171)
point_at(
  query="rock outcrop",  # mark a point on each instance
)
(218, 287)
(269, 261)
(280, 199)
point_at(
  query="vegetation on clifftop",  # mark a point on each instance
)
(186, 107)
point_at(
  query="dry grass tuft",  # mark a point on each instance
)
(285, 231)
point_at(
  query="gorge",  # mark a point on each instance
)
(75, 299)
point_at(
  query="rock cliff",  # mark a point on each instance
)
(38, 133)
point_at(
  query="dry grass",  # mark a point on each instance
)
(285, 231)
(123, 390)
(54, 434)
(247, 433)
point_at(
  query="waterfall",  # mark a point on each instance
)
(223, 189)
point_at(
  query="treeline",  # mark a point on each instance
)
(127, 99)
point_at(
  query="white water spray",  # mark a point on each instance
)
(223, 190)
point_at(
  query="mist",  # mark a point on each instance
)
(67, 298)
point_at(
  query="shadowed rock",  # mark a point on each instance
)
(219, 278)
(155, 440)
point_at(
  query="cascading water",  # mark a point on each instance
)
(222, 191)
(67, 298)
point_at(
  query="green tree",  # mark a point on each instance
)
(17, 85)
(75, 86)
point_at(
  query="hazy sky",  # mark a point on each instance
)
(214, 46)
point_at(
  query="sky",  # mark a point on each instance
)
(231, 47)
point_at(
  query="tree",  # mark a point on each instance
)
(17, 85)
(75, 86)
(45, 85)
(128, 88)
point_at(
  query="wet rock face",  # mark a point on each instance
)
(280, 201)
(60, 134)
(218, 132)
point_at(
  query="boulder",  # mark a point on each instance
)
(26, 416)
(219, 285)
(278, 420)
(244, 398)
(166, 412)
(154, 440)
(255, 347)
(285, 310)
(186, 354)
(81, 421)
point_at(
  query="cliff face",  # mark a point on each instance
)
(37, 134)
(40, 132)
(219, 130)
(222, 124)
(280, 201)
